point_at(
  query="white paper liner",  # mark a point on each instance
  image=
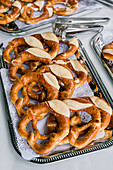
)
(25, 150)
(83, 6)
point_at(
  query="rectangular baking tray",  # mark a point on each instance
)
(57, 156)
(18, 27)
(97, 43)
(106, 2)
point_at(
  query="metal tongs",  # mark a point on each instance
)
(71, 26)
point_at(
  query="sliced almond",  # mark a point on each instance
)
(75, 105)
(17, 4)
(39, 52)
(50, 36)
(61, 71)
(101, 104)
(59, 107)
(33, 42)
(40, 4)
(74, 41)
(77, 66)
(51, 79)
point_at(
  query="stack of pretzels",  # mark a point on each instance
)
(24, 10)
(50, 78)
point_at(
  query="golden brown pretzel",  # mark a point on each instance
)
(72, 5)
(47, 80)
(31, 54)
(107, 51)
(73, 47)
(3, 9)
(64, 75)
(77, 68)
(7, 18)
(29, 41)
(47, 12)
(60, 111)
(7, 3)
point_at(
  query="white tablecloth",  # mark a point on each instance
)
(10, 160)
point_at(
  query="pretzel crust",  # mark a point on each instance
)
(7, 18)
(107, 51)
(53, 138)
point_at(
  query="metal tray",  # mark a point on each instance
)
(97, 43)
(106, 2)
(73, 152)
(17, 27)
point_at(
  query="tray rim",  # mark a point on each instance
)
(71, 153)
(97, 52)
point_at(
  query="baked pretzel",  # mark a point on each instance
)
(7, 18)
(29, 41)
(73, 47)
(72, 5)
(64, 75)
(29, 19)
(107, 51)
(3, 9)
(31, 54)
(7, 3)
(47, 80)
(60, 111)
(77, 68)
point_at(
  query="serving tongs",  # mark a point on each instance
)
(71, 26)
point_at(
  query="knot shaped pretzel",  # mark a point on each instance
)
(100, 112)
(72, 5)
(7, 18)
(33, 41)
(46, 80)
(47, 12)
(61, 113)
(34, 54)
(77, 68)
(107, 51)
(64, 75)
(73, 47)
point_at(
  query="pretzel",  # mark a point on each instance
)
(73, 47)
(7, 18)
(64, 75)
(72, 5)
(7, 3)
(3, 9)
(30, 41)
(107, 51)
(34, 54)
(61, 112)
(77, 68)
(47, 80)
(47, 12)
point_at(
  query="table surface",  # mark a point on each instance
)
(10, 160)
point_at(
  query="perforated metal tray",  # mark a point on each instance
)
(57, 156)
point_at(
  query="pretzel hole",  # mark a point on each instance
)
(85, 117)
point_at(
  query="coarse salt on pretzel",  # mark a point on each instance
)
(72, 5)
(77, 68)
(7, 18)
(47, 12)
(73, 47)
(47, 80)
(61, 113)
(31, 41)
